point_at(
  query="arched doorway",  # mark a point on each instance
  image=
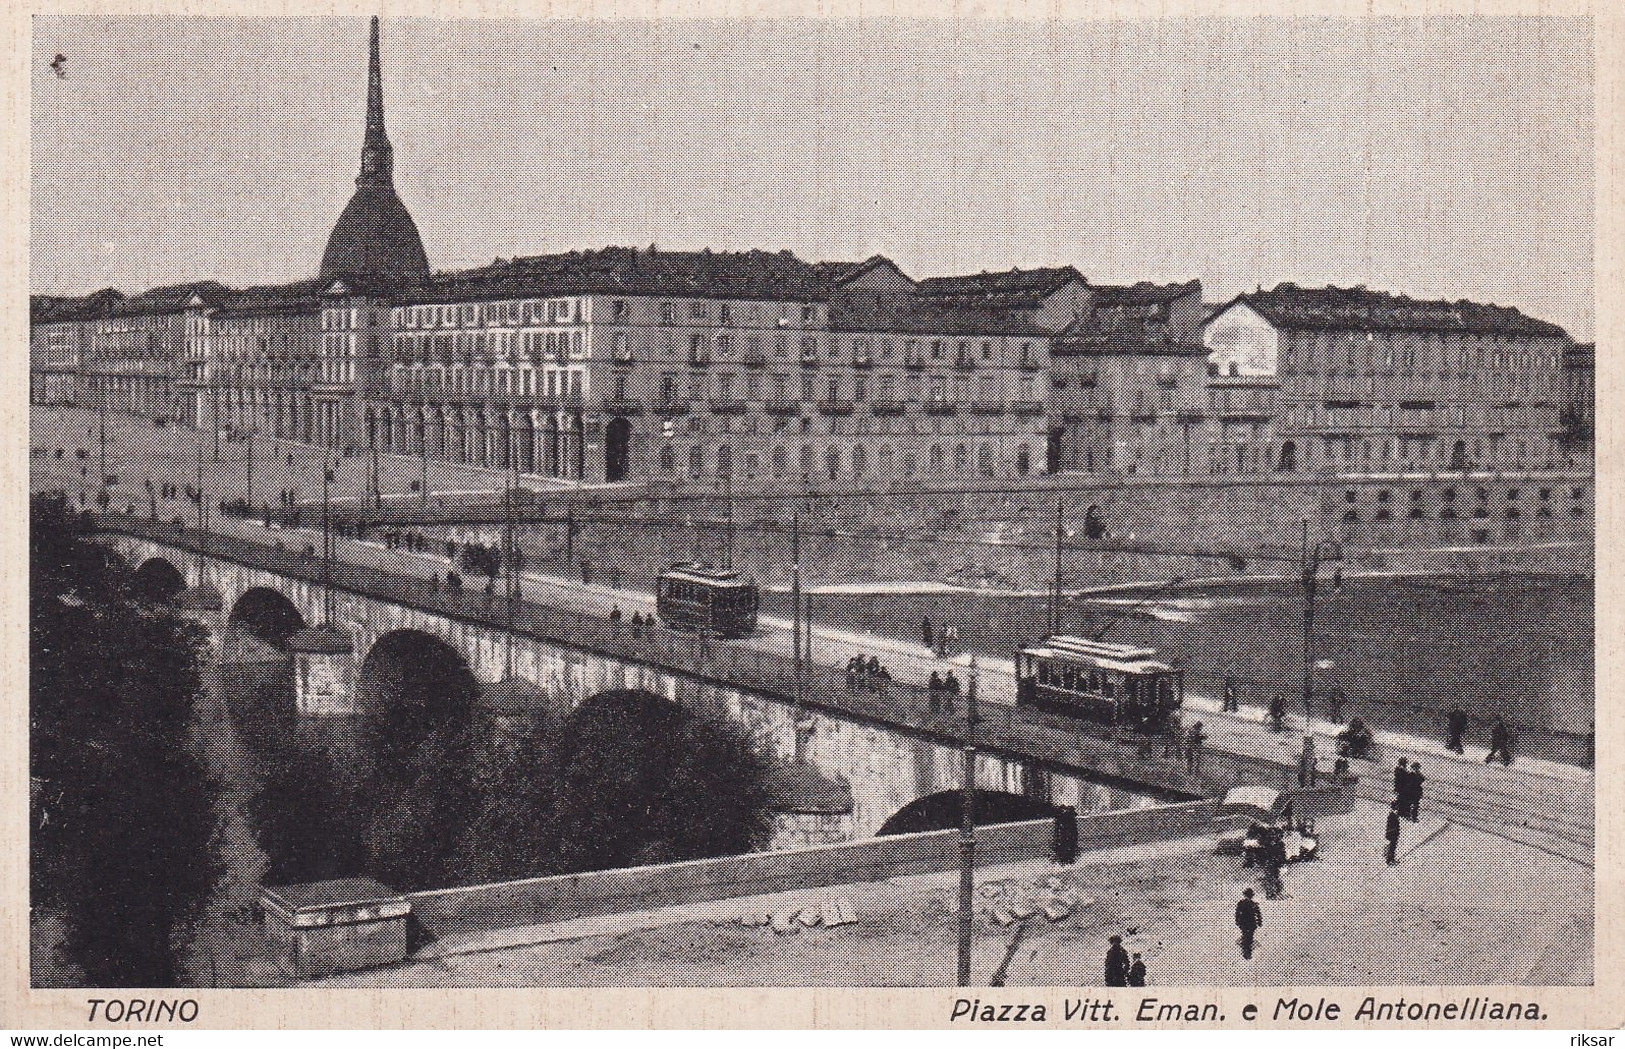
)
(617, 445)
(1052, 450)
(1289, 457)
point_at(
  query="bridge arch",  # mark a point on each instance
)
(268, 615)
(941, 811)
(418, 671)
(157, 581)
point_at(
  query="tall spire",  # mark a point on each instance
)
(375, 237)
(377, 155)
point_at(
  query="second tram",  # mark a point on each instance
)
(713, 600)
(1099, 681)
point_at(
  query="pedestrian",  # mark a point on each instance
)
(1402, 781)
(1417, 780)
(873, 672)
(926, 633)
(637, 623)
(1308, 763)
(1456, 724)
(1391, 832)
(1231, 702)
(852, 675)
(1500, 743)
(1277, 714)
(953, 639)
(1065, 840)
(950, 684)
(1136, 972)
(1193, 749)
(1116, 964)
(933, 689)
(1334, 705)
(615, 617)
(1248, 919)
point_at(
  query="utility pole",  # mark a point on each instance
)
(250, 482)
(508, 553)
(795, 606)
(1055, 585)
(423, 480)
(967, 833)
(1311, 570)
(103, 459)
(728, 480)
(327, 539)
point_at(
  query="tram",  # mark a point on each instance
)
(710, 600)
(1099, 681)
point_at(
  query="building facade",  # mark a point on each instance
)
(1374, 382)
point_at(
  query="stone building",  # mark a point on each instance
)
(1129, 375)
(1580, 401)
(1375, 382)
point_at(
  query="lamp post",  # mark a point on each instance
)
(1055, 584)
(249, 480)
(1312, 556)
(967, 832)
(327, 538)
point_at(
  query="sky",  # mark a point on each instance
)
(1444, 157)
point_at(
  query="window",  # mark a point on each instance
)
(697, 311)
(667, 313)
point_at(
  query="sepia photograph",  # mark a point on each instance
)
(813, 503)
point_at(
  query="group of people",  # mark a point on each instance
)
(1120, 970)
(942, 689)
(1456, 725)
(941, 640)
(639, 622)
(1355, 741)
(865, 674)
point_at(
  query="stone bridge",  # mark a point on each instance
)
(892, 751)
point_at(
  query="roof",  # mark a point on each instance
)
(909, 314)
(57, 309)
(845, 272)
(1360, 309)
(1142, 294)
(707, 574)
(1010, 289)
(299, 297)
(1105, 654)
(776, 276)
(1130, 319)
(171, 298)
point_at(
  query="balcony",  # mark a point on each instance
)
(782, 408)
(1028, 408)
(915, 364)
(1030, 364)
(699, 360)
(965, 364)
(670, 408)
(753, 359)
(887, 407)
(622, 406)
(987, 407)
(863, 361)
(941, 408)
(835, 407)
(727, 406)
(809, 358)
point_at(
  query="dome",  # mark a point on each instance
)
(375, 237)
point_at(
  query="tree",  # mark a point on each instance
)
(642, 780)
(123, 813)
(512, 833)
(481, 560)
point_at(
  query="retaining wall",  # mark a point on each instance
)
(536, 901)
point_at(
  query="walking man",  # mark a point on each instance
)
(1392, 833)
(1500, 743)
(1136, 972)
(1415, 797)
(1066, 835)
(1116, 964)
(1231, 702)
(1248, 919)
(1456, 723)
(1402, 783)
(926, 633)
(1193, 749)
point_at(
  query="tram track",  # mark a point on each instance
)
(1560, 835)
